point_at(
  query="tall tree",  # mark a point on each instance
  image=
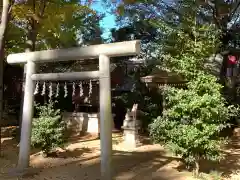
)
(48, 24)
(57, 24)
(222, 14)
(194, 117)
(5, 17)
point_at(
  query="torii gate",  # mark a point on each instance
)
(103, 52)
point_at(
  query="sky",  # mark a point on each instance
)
(108, 21)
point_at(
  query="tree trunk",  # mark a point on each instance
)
(196, 168)
(31, 45)
(6, 11)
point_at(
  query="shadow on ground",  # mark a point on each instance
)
(70, 153)
(82, 138)
(229, 165)
(84, 163)
(153, 163)
(126, 165)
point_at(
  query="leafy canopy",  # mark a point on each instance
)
(56, 24)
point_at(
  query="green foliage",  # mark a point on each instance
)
(187, 42)
(189, 33)
(55, 24)
(48, 128)
(193, 118)
(187, 55)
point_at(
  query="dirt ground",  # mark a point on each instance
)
(81, 160)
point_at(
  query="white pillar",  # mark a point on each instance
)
(105, 118)
(22, 96)
(27, 114)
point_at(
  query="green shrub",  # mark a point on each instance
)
(48, 128)
(193, 118)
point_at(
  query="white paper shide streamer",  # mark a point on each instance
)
(73, 89)
(44, 89)
(65, 90)
(50, 91)
(81, 89)
(90, 89)
(36, 88)
(57, 90)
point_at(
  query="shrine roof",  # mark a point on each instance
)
(162, 76)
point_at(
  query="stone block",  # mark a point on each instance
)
(80, 122)
(131, 138)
